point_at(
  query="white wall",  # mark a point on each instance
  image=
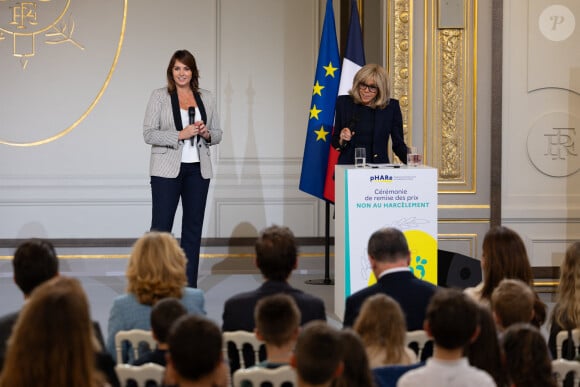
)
(92, 182)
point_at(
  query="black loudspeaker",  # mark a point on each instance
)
(456, 270)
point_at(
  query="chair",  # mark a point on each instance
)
(562, 367)
(239, 339)
(257, 376)
(563, 336)
(418, 337)
(140, 374)
(134, 337)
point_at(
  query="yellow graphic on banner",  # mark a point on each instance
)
(423, 256)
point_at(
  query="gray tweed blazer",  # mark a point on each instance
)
(160, 132)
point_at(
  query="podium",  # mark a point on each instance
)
(367, 199)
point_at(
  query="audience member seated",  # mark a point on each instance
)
(452, 321)
(505, 256)
(317, 356)
(512, 301)
(389, 258)
(35, 262)
(527, 359)
(382, 328)
(163, 314)
(485, 352)
(277, 325)
(276, 257)
(195, 356)
(156, 270)
(356, 371)
(566, 312)
(53, 342)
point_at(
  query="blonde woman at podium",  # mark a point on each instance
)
(366, 117)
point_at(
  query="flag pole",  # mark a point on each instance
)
(326, 280)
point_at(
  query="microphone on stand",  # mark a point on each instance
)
(191, 112)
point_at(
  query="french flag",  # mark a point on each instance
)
(354, 59)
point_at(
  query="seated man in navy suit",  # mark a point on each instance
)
(389, 258)
(276, 257)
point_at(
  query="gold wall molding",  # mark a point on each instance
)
(400, 58)
(450, 99)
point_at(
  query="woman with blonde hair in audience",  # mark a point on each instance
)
(505, 256)
(566, 313)
(382, 328)
(156, 270)
(52, 343)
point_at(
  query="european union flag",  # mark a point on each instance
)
(321, 116)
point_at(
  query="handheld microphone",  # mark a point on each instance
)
(191, 112)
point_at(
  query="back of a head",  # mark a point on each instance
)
(453, 318)
(357, 371)
(277, 319)
(388, 245)
(318, 353)
(156, 268)
(504, 256)
(195, 347)
(51, 343)
(276, 253)
(527, 358)
(163, 314)
(381, 322)
(513, 302)
(34, 262)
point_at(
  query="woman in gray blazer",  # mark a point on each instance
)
(181, 124)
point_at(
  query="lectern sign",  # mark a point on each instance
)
(372, 198)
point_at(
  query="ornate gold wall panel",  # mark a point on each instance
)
(449, 93)
(400, 58)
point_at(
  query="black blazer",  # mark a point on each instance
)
(388, 122)
(412, 294)
(239, 309)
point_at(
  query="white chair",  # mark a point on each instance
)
(134, 337)
(561, 367)
(140, 374)
(562, 336)
(419, 337)
(257, 376)
(239, 338)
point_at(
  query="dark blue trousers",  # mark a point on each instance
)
(192, 189)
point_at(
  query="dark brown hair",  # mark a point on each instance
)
(187, 59)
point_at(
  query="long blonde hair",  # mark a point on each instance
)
(156, 268)
(381, 325)
(52, 340)
(567, 309)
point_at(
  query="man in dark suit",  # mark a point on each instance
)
(35, 261)
(276, 257)
(389, 257)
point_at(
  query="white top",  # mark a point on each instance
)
(446, 373)
(190, 154)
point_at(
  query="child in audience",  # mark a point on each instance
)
(512, 301)
(277, 324)
(356, 372)
(317, 357)
(381, 326)
(452, 321)
(527, 359)
(163, 314)
(195, 355)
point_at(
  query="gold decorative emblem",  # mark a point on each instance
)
(29, 20)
